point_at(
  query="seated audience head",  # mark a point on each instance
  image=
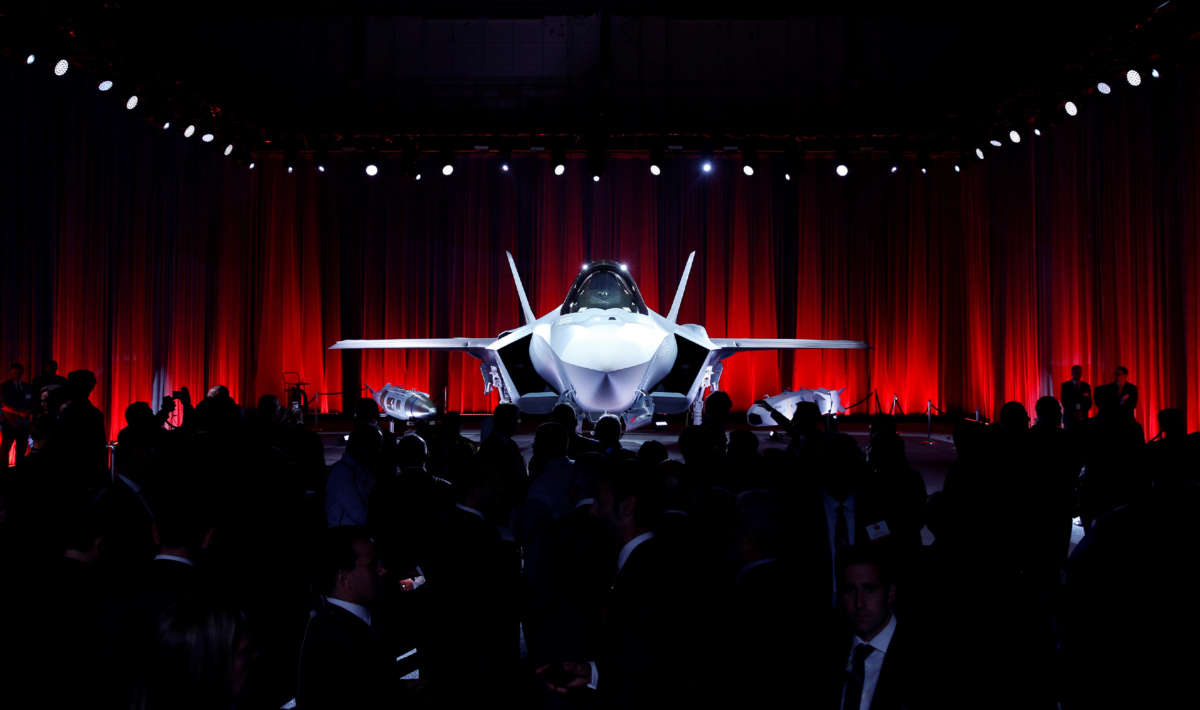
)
(807, 419)
(565, 414)
(139, 415)
(1173, 424)
(716, 409)
(80, 384)
(505, 418)
(218, 393)
(550, 441)
(1049, 413)
(350, 567)
(366, 411)
(268, 408)
(451, 423)
(199, 658)
(743, 444)
(882, 426)
(652, 453)
(411, 452)
(866, 591)
(1014, 419)
(50, 368)
(608, 431)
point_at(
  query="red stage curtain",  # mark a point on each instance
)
(157, 263)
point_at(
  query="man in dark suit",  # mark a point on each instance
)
(343, 661)
(16, 396)
(645, 658)
(883, 667)
(1118, 399)
(1076, 398)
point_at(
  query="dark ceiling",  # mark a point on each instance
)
(527, 68)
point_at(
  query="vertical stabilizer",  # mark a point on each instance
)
(520, 290)
(673, 316)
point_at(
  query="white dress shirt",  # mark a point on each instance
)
(472, 511)
(872, 664)
(357, 609)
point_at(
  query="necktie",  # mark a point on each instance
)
(858, 672)
(841, 532)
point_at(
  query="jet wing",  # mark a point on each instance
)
(732, 346)
(473, 346)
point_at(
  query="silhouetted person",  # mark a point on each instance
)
(646, 652)
(1118, 400)
(715, 416)
(564, 414)
(652, 452)
(200, 658)
(351, 479)
(608, 434)
(1076, 396)
(16, 400)
(81, 441)
(503, 459)
(48, 377)
(344, 661)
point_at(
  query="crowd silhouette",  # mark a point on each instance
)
(218, 563)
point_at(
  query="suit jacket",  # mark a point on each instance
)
(904, 680)
(1108, 399)
(344, 664)
(1076, 401)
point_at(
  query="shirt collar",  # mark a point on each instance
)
(882, 640)
(358, 610)
(472, 511)
(176, 558)
(583, 502)
(831, 503)
(629, 547)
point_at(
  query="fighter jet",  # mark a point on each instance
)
(602, 351)
(402, 404)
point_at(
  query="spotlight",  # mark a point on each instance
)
(656, 161)
(447, 163)
(979, 153)
(706, 166)
(894, 169)
(595, 178)
(1014, 136)
(60, 67)
(924, 171)
(996, 143)
(1071, 108)
(1104, 88)
(207, 138)
(290, 169)
(1037, 132)
(322, 159)
(842, 170)
(131, 103)
(558, 158)
(595, 158)
(229, 149)
(30, 59)
(1133, 77)
(624, 267)
(505, 159)
(957, 169)
(503, 167)
(1154, 74)
(105, 85)
(187, 132)
(166, 125)
(749, 162)
(250, 166)
(372, 169)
